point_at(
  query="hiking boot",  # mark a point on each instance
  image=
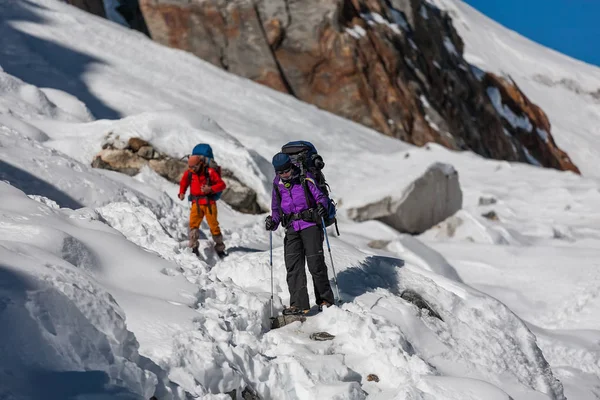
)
(324, 304)
(219, 245)
(196, 252)
(221, 254)
(293, 310)
(194, 236)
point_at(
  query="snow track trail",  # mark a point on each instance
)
(97, 286)
(232, 346)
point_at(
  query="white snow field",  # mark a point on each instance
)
(568, 90)
(101, 299)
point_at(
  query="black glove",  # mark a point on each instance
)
(269, 223)
(321, 211)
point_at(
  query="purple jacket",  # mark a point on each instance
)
(293, 200)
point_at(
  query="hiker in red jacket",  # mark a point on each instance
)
(203, 182)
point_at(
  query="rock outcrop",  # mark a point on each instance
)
(527, 122)
(393, 65)
(139, 153)
(95, 7)
(425, 202)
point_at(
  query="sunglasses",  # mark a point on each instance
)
(284, 172)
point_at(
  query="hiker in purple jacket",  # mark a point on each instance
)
(299, 208)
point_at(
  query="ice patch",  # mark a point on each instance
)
(356, 31)
(543, 134)
(515, 121)
(450, 46)
(531, 158)
(399, 19)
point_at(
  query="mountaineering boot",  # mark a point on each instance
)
(293, 310)
(324, 304)
(193, 241)
(219, 245)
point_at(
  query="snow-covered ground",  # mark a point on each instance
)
(100, 298)
(568, 90)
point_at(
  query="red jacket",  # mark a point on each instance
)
(198, 180)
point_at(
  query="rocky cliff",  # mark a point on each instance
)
(95, 7)
(394, 65)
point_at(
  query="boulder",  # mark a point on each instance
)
(239, 196)
(428, 200)
(146, 152)
(169, 168)
(123, 161)
(135, 144)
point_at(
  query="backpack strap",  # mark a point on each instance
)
(310, 200)
(284, 218)
(207, 176)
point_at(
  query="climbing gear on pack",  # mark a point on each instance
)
(304, 155)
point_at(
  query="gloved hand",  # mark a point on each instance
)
(269, 223)
(206, 189)
(321, 211)
(181, 196)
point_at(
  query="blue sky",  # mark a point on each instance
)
(569, 26)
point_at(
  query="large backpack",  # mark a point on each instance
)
(204, 149)
(305, 156)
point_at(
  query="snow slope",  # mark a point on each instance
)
(568, 90)
(98, 276)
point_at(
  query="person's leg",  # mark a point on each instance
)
(196, 216)
(312, 239)
(296, 275)
(211, 213)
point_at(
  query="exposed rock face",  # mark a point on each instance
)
(138, 153)
(527, 122)
(130, 10)
(95, 7)
(239, 196)
(427, 201)
(393, 65)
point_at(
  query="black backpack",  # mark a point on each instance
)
(305, 156)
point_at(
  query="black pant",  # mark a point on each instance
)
(298, 247)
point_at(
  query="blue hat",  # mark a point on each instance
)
(281, 162)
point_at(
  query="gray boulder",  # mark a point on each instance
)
(425, 202)
(239, 196)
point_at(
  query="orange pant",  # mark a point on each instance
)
(199, 211)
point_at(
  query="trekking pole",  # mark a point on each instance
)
(331, 257)
(271, 262)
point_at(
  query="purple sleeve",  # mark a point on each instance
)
(317, 194)
(275, 207)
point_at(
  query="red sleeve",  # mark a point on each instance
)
(183, 184)
(218, 185)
